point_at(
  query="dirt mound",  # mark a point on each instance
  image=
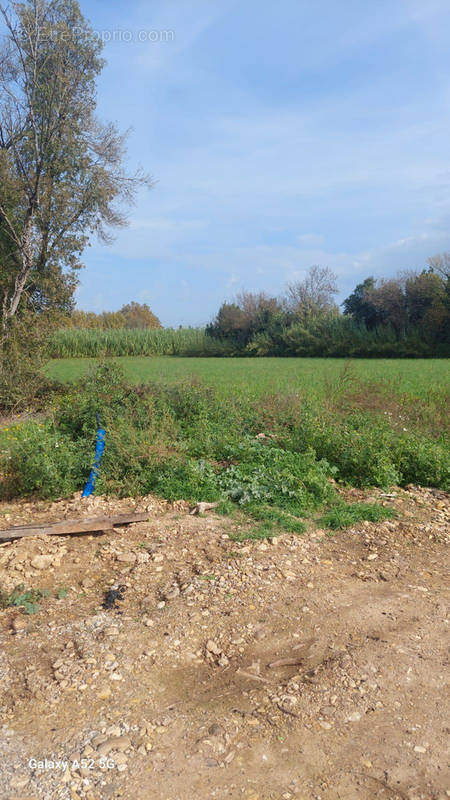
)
(168, 661)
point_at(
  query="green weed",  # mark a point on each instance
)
(28, 599)
(345, 515)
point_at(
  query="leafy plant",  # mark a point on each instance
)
(28, 599)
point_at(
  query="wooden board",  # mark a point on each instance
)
(71, 526)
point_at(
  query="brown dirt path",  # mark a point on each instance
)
(184, 692)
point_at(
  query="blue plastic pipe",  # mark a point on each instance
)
(99, 450)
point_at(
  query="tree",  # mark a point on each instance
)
(139, 315)
(230, 323)
(389, 302)
(314, 295)
(359, 306)
(441, 264)
(61, 170)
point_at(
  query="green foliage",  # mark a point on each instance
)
(28, 599)
(94, 343)
(22, 355)
(344, 515)
(192, 442)
(325, 337)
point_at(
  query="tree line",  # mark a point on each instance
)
(133, 316)
(406, 316)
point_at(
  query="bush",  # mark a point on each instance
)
(21, 357)
(187, 442)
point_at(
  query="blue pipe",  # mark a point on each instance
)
(99, 450)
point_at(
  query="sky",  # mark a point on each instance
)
(279, 135)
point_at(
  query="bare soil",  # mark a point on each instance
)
(309, 668)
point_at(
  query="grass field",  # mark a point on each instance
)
(255, 377)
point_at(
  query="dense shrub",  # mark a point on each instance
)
(186, 441)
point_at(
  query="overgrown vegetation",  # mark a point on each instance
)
(90, 342)
(274, 458)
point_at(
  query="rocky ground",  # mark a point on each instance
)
(308, 668)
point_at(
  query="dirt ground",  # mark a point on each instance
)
(309, 668)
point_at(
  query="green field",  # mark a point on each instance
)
(415, 377)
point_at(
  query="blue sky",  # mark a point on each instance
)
(280, 135)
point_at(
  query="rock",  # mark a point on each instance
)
(19, 624)
(214, 729)
(372, 557)
(19, 782)
(327, 711)
(120, 743)
(419, 749)
(201, 508)
(113, 730)
(42, 562)
(326, 725)
(355, 717)
(104, 694)
(120, 758)
(98, 740)
(171, 593)
(127, 558)
(113, 631)
(213, 648)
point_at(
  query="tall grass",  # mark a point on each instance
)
(76, 342)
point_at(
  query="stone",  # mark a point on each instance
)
(19, 782)
(42, 562)
(355, 717)
(419, 749)
(120, 758)
(213, 648)
(19, 624)
(126, 558)
(104, 694)
(120, 743)
(113, 730)
(113, 631)
(171, 593)
(98, 740)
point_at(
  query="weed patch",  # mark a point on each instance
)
(345, 515)
(274, 458)
(28, 599)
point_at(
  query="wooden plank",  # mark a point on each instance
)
(71, 526)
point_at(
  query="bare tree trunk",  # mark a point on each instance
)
(11, 304)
